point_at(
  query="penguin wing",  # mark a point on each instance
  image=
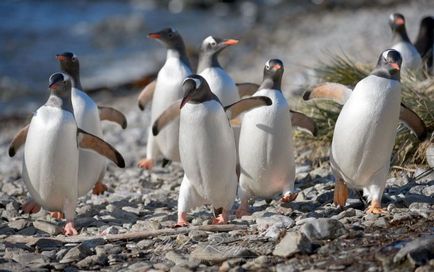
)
(333, 91)
(113, 115)
(303, 122)
(413, 122)
(168, 115)
(18, 140)
(247, 89)
(146, 94)
(89, 141)
(247, 104)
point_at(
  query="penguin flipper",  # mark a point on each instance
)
(247, 104)
(413, 122)
(170, 114)
(332, 91)
(146, 94)
(303, 122)
(18, 140)
(247, 89)
(113, 115)
(89, 141)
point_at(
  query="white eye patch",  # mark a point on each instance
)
(65, 77)
(209, 40)
(385, 53)
(197, 82)
(267, 64)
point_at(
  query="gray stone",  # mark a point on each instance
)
(18, 224)
(419, 251)
(218, 254)
(144, 244)
(92, 260)
(139, 266)
(178, 259)
(48, 244)
(30, 259)
(323, 228)
(292, 243)
(75, 254)
(429, 191)
(275, 219)
(48, 227)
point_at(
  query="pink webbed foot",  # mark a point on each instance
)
(99, 188)
(240, 212)
(182, 220)
(31, 207)
(289, 197)
(146, 164)
(219, 220)
(69, 229)
(375, 208)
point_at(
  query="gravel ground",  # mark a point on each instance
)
(129, 227)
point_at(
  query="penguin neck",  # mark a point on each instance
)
(425, 39)
(75, 80)
(63, 102)
(270, 83)
(178, 53)
(207, 61)
(400, 35)
(384, 73)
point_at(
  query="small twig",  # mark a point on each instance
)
(126, 236)
(403, 168)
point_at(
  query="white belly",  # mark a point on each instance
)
(208, 155)
(411, 59)
(265, 148)
(50, 166)
(168, 89)
(91, 164)
(221, 85)
(366, 129)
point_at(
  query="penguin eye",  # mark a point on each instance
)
(267, 66)
(213, 43)
(74, 59)
(170, 35)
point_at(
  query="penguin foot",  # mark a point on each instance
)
(69, 229)
(341, 193)
(99, 188)
(146, 164)
(375, 208)
(220, 219)
(289, 197)
(31, 207)
(240, 212)
(182, 220)
(57, 215)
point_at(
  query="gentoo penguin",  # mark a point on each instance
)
(88, 117)
(365, 132)
(207, 147)
(51, 154)
(266, 151)
(164, 91)
(424, 42)
(221, 84)
(411, 58)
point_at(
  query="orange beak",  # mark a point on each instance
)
(399, 21)
(231, 42)
(277, 67)
(154, 35)
(394, 66)
(60, 57)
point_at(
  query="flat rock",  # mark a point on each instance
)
(48, 244)
(75, 254)
(323, 228)
(419, 251)
(292, 243)
(48, 227)
(218, 254)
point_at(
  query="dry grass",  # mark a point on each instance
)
(417, 94)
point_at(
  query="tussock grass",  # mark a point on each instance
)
(417, 94)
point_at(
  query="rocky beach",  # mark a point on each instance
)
(130, 226)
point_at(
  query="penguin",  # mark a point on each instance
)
(365, 133)
(266, 151)
(411, 58)
(88, 117)
(207, 147)
(165, 90)
(51, 152)
(221, 84)
(424, 42)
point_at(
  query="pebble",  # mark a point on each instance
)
(48, 227)
(292, 243)
(323, 229)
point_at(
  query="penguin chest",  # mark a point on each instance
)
(168, 89)
(265, 148)
(50, 166)
(207, 149)
(221, 84)
(91, 165)
(366, 129)
(411, 59)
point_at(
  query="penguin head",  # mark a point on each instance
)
(196, 90)
(68, 63)
(169, 37)
(397, 22)
(60, 84)
(212, 45)
(427, 25)
(388, 65)
(273, 69)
